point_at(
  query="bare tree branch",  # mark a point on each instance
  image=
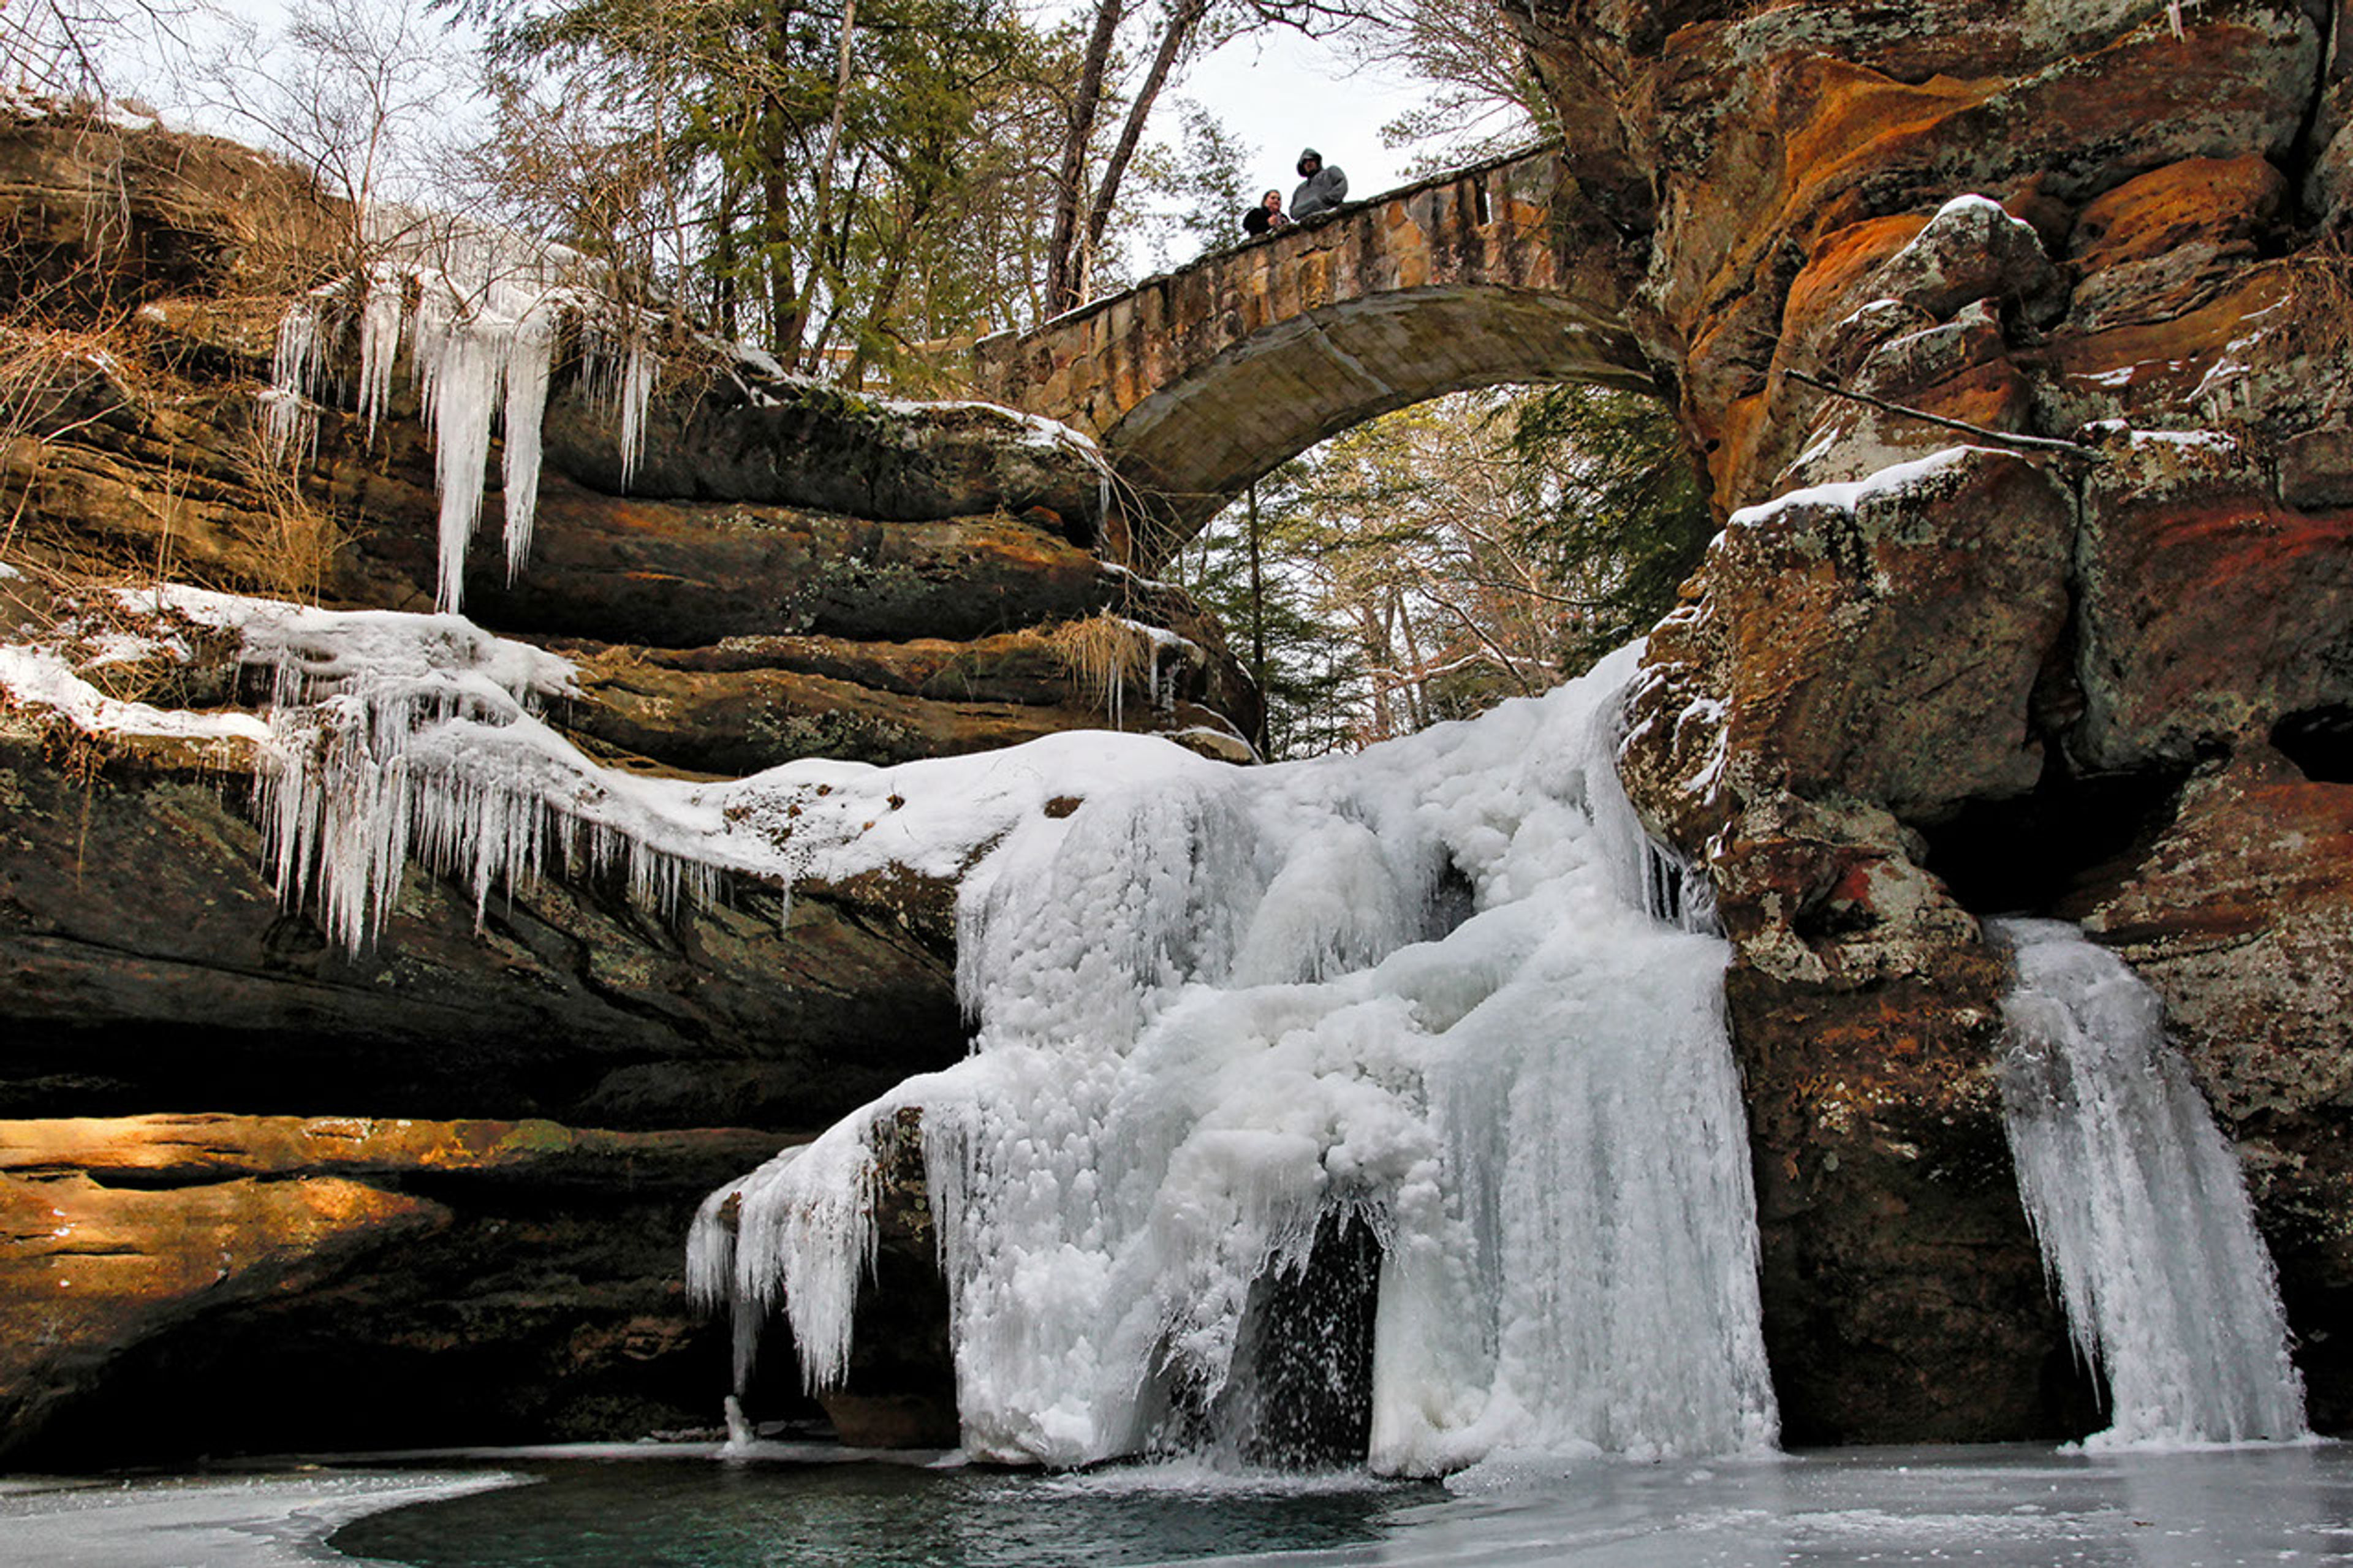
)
(2004, 437)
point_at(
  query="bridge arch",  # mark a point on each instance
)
(1199, 381)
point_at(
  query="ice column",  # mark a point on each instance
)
(2138, 1205)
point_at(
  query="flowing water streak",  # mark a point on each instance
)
(1216, 1009)
(2138, 1205)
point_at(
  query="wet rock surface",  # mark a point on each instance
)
(360, 1283)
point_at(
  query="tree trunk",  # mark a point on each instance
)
(786, 317)
(841, 100)
(723, 259)
(1417, 690)
(1373, 628)
(1182, 19)
(1064, 286)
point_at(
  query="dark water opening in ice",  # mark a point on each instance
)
(1303, 1400)
(662, 1514)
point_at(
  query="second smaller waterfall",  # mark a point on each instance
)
(2138, 1205)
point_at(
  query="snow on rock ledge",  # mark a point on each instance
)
(389, 736)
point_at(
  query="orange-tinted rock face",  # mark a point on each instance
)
(276, 1276)
(2205, 601)
(2067, 222)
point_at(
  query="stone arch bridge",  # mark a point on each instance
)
(1199, 381)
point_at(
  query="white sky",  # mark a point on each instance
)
(1280, 92)
(1277, 91)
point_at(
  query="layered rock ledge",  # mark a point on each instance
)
(2012, 345)
(432, 1186)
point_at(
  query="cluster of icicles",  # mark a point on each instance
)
(1426, 990)
(397, 738)
(481, 333)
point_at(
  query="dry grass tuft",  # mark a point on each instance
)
(2320, 295)
(1104, 655)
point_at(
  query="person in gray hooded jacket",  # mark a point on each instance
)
(1321, 188)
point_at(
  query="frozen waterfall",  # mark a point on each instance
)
(2138, 1205)
(1415, 991)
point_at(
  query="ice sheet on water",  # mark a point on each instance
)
(262, 1521)
(1215, 1008)
(2138, 1205)
(1991, 1506)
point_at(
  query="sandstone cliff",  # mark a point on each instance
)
(2086, 654)
(1929, 673)
(337, 1195)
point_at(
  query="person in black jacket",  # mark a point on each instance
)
(1321, 188)
(1267, 216)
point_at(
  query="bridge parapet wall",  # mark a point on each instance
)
(1199, 380)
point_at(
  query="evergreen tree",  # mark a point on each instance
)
(1431, 563)
(1612, 503)
(1251, 568)
(813, 171)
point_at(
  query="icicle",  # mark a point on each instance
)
(289, 414)
(381, 317)
(636, 390)
(463, 380)
(711, 1252)
(482, 341)
(811, 1250)
(530, 355)
(2138, 1205)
